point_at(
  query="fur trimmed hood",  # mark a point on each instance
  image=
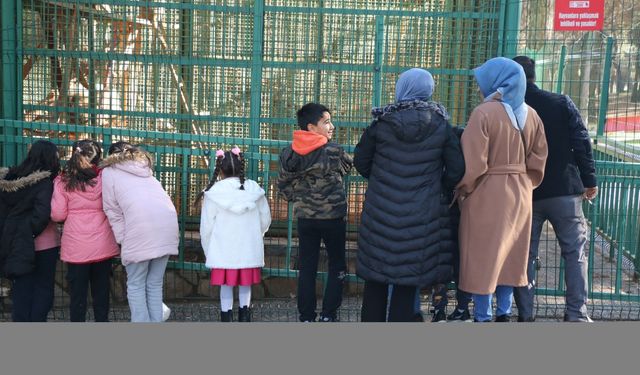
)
(414, 104)
(137, 163)
(124, 157)
(11, 186)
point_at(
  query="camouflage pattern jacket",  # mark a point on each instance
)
(313, 181)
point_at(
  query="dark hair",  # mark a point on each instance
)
(42, 156)
(81, 169)
(231, 165)
(529, 66)
(310, 113)
(118, 147)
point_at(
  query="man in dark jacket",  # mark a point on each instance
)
(569, 178)
(311, 176)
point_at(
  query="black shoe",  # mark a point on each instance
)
(244, 314)
(439, 316)
(503, 318)
(460, 316)
(226, 316)
(418, 318)
(528, 319)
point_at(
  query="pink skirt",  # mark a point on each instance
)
(235, 277)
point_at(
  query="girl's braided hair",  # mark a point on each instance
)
(231, 164)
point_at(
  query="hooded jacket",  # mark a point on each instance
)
(233, 223)
(87, 236)
(141, 214)
(408, 154)
(25, 207)
(311, 176)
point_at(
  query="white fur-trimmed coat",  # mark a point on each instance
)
(233, 223)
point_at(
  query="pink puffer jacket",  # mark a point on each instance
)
(87, 236)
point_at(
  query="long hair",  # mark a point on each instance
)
(81, 169)
(230, 164)
(43, 156)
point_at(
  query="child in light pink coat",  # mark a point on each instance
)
(144, 222)
(88, 245)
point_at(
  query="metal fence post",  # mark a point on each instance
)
(604, 93)
(10, 11)
(256, 83)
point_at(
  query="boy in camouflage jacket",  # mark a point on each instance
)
(311, 177)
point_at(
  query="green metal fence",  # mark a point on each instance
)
(186, 77)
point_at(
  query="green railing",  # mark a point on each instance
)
(614, 218)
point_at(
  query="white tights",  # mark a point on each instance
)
(226, 296)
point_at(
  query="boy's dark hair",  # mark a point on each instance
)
(81, 169)
(118, 147)
(310, 113)
(42, 156)
(529, 66)
(231, 165)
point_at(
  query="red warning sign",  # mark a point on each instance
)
(578, 15)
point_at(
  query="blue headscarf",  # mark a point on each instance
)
(414, 84)
(504, 76)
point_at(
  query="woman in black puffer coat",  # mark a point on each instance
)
(409, 154)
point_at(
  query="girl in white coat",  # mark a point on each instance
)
(235, 216)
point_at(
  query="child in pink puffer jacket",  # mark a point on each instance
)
(88, 245)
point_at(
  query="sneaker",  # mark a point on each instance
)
(460, 316)
(327, 319)
(585, 319)
(503, 318)
(439, 316)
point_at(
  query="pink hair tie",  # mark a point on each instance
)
(219, 154)
(235, 150)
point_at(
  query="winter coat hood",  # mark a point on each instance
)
(14, 185)
(305, 142)
(411, 121)
(137, 163)
(228, 196)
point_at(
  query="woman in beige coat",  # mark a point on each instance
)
(505, 151)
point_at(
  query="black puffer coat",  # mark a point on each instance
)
(25, 210)
(410, 154)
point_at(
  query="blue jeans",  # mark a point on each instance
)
(483, 308)
(144, 289)
(566, 217)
